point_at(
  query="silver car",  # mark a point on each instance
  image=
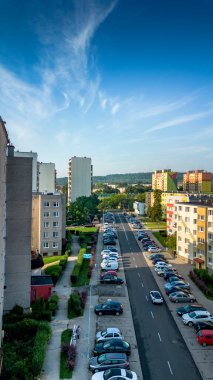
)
(181, 297)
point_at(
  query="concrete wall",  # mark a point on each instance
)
(18, 227)
(34, 157)
(3, 144)
(46, 177)
(79, 178)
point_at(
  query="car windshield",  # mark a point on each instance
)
(156, 295)
(192, 314)
(101, 358)
(104, 332)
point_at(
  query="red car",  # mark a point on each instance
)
(112, 272)
(205, 337)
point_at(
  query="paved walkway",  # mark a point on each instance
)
(51, 367)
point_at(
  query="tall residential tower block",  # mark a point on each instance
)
(79, 178)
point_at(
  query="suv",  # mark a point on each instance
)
(196, 316)
(107, 361)
(109, 333)
(109, 308)
(188, 309)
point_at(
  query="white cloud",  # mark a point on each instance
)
(115, 108)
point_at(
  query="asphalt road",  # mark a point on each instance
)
(162, 350)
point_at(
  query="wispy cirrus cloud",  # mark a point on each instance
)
(179, 121)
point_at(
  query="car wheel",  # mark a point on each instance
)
(100, 313)
(204, 344)
(190, 324)
(117, 313)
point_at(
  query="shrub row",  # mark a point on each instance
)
(41, 339)
(77, 267)
(195, 276)
(70, 351)
(76, 304)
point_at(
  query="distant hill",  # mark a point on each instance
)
(121, 178)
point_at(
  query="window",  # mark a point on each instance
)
(55, 244)
(210, 236)
(55, 204)
(194, 254)
(55, 224)
(195, 211)
(46, 204)
(209, 260)
(179, 249)
(179, 217)
(187, 241)
(201, 217)
(200, 240)
(187, 229)
(194, 221)
(45, 244)
(55, 213)
(194, 232)
(179, 228)
(45, 235)
(187, 219)
(194, 244)
(179, 238)
(46, 214)
(46, 224)
(187, 209)
(201, 252)
(55, 234)
(200, 229)
(180, 208)
(210, 248)
(210, 212)
(186, 250)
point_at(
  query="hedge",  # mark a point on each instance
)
(77, 267)
(41, 339)
(54, 271)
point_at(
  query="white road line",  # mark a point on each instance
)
(152, 314)
(147, 298)
(170, 368)
(142, 285)
(159, 337)
(139, 274)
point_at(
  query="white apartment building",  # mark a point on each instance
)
(187, 238)
(34, 157)
(79, 178)
(209, 258)
(46, 177)
(48, 223)
(171, 215)
(3, 146)
(139, 208)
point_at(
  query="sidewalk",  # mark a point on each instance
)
(51, 367)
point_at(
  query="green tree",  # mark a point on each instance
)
(171, 242)
(83, 209)
(155, 212)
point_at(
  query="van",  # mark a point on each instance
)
(205, 337)
(109, 266)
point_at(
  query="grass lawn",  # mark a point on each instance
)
(160, 238)
(154, 225)
(82, 278)
(65, 372)
(52, 259)
(83, 229)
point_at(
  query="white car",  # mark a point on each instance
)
(105, 251)
(110, 260)
(113, 265)
(162, 264)
(115, 374)
(156, 297)
(111, 254)
(108, 333)
(190, 319)
(154, 250)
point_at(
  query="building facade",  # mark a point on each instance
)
(197, 181)
(18, 228)
(79, 178)
(164, 180)
(34, 157)
(4, 140)
(139, 208)
(46, 177)
(48, 223)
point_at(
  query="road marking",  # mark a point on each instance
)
(170, 368)
(147, 298)
(159, 337)
(139, 274)
(142, 285)
(152, 314)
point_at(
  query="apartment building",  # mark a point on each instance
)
(18, 231)
(79, 178)
(197, 181)
(139, 208)
(34, 157)
(195, 233)
(164, 180)
(4, 140)
(170, 200)
(48, 223)
(46, 177)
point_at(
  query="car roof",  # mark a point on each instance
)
(206, 332)
(115, 355)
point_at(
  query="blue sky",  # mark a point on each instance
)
(128, 83)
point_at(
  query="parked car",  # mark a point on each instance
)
(162, 271)
(188, 309)
(113, 345)
(108, 333)
(112, 249)
(109, 308)
(154, 249)
(110, 266)
(205, 337)
(107, 361)
(156, 297)
(181, 297)
(110, 279)
(109, 260)
(156, 256)
(196, 316)
(176, 289)
(115, 374)
(110, 255)
(203, 326)
(181, 284)
(171, 272)
(172, 279)
(112, 272)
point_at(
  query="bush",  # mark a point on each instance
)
(75, 273)
(40, 343)
(75, 305)
(203, 286)
(54, 271)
